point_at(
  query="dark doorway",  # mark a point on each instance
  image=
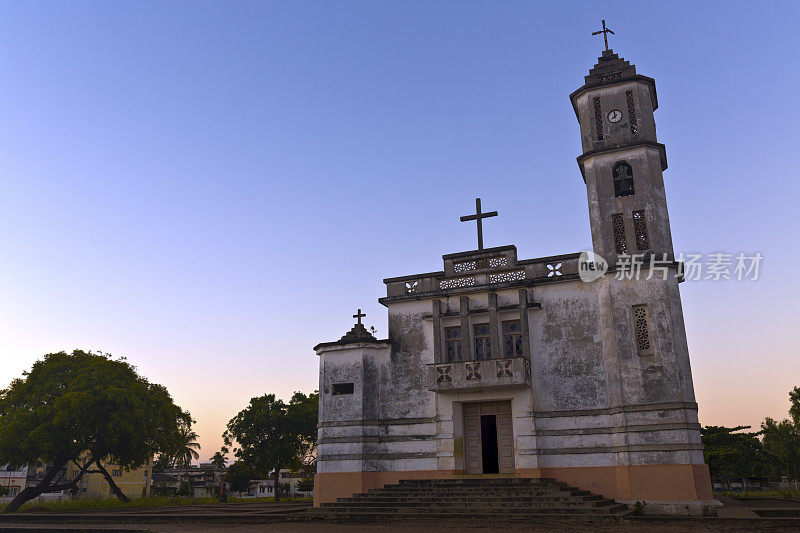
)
(489, 444)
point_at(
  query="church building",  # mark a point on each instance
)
(503, 366)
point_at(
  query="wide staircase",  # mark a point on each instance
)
(490, 498)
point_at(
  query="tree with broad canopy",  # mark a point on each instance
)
(85, 409)
(238, 477)
(270, 434)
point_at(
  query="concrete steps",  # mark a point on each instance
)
(509, 498)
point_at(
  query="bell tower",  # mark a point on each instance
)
(622, 160)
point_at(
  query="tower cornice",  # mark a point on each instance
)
(650, 82)
(660, 147)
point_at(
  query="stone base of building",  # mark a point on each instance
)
(676, 508)
(637, 482)
(674, 486)
(330, 486)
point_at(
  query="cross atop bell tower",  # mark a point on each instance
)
(605, 31)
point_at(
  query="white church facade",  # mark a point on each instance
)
(497, 365)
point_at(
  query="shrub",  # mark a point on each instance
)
(638, 508)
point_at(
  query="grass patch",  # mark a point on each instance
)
(110, 503)
(269, 500)
(114, 503)
(764, 494)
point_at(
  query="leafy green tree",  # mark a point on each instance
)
(782, 443)
(794, 409)
(305, 411)
(729, 452)
(271, 435)
(185, 489)
(163, 462)
(305, 485)
(782, 440)
(239, 476)
(84, 409)
(218, 460)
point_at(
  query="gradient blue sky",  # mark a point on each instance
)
(211, 188)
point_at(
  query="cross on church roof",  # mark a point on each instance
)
(479, 217)
(359, 316)
(605, 31)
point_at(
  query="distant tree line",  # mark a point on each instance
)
(77, 413)
(773, 451)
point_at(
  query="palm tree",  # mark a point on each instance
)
(218, 460)
(187, 451)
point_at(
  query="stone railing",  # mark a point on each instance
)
(471, 375)
(524, 273)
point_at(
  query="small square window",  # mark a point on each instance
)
(342, 388)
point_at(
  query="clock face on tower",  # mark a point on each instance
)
(615, 115)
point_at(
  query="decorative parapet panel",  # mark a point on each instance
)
(502, 277)
(480, 264)
(512, 372)
(490, 269)
(454, 283)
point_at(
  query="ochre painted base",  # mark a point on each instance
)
(329, 486)
(640, 482)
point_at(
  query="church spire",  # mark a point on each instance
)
(610, 68)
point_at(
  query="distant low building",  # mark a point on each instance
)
(741, 483)
(35, 476)
(204, 478)
(164, 485)
(133, 484)
(265, 488)
(13, 481)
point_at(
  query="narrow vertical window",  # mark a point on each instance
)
(623, 179)
(483, 342)
(641, 322)
(598, 119)
(640, 229)
(452, 344)
(512, 338)
(620, 242)
(631, 112)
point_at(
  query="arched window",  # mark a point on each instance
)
(623, 179)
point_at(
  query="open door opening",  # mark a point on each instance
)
(489, 451)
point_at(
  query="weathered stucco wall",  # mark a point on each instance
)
(594, 401)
